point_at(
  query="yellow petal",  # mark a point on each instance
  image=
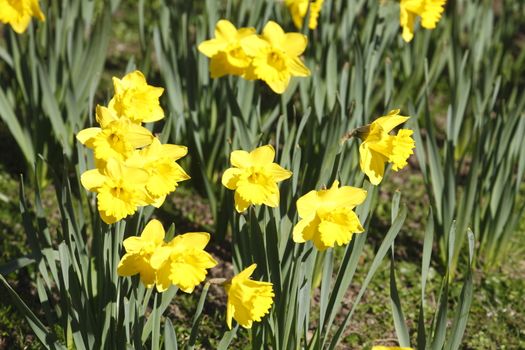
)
(308, 204)
(262, 155)
(105, 116)
(278, 173)
(389, 122)
(211, 47)
(133, 244)
(240, 159)
(153, 232)
(86, 136)
(160, 257)
(295, 43)
(129, 265)
(92, 179)
(197, 240)
(225, 30)
(372, 164)
(297, 68)
(274, 34)
(253, 45)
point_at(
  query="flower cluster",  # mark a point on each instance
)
(181, 262)
(18, 13)
(133, 168)
(299, 9)
(429, 10)
(272, 57)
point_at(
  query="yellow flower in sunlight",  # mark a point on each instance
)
(139, 251)
(378, 147)
(327, 216)
(248, 300)
(182, 262)
(120, 189)
(164, 173)
(381, 347)
(117, 138)
(254, 177)
(429, 10)
(276, 56)
(135, 99)
(18, 13)
(225, 52)
(299, 8)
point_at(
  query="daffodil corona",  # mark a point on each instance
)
(18, 13)
(276, 56)
(254, 177)
(429, 10)
(248, 300)
(299, 9)
(327, 216)
(379, 147)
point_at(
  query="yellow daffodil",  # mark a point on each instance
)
(299, 8)
(254, 177)
(18, 13)
(378, 147)
(327, 216)
(248, 300)
(429, 10)
(139, 251)
(182, 262)
(135, 99)
(276, 56)
(164, 173)
(120, 189)
(117, 138)
(381, 347)
(225, 51)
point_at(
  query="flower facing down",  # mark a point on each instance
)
(225, 52)
(139, 251)
(327, 216)
(429, 10)
(276, 56)
(378, 147)
(248, 300)
(299, 9)
(254, 177)
(135, 99)
(182, 262)
(120, 189)
(18, 13)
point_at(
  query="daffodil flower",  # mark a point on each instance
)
(225, 51)
(327, 216)
(254, 177)
(135, 99)
(299, 8)
(183, 262)
(248, 300)
(378, 147)
(429, 10)
(139, 251)
(18, 13)
(276, 56)
(117, 138)
(120, 189)
(164, 173)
